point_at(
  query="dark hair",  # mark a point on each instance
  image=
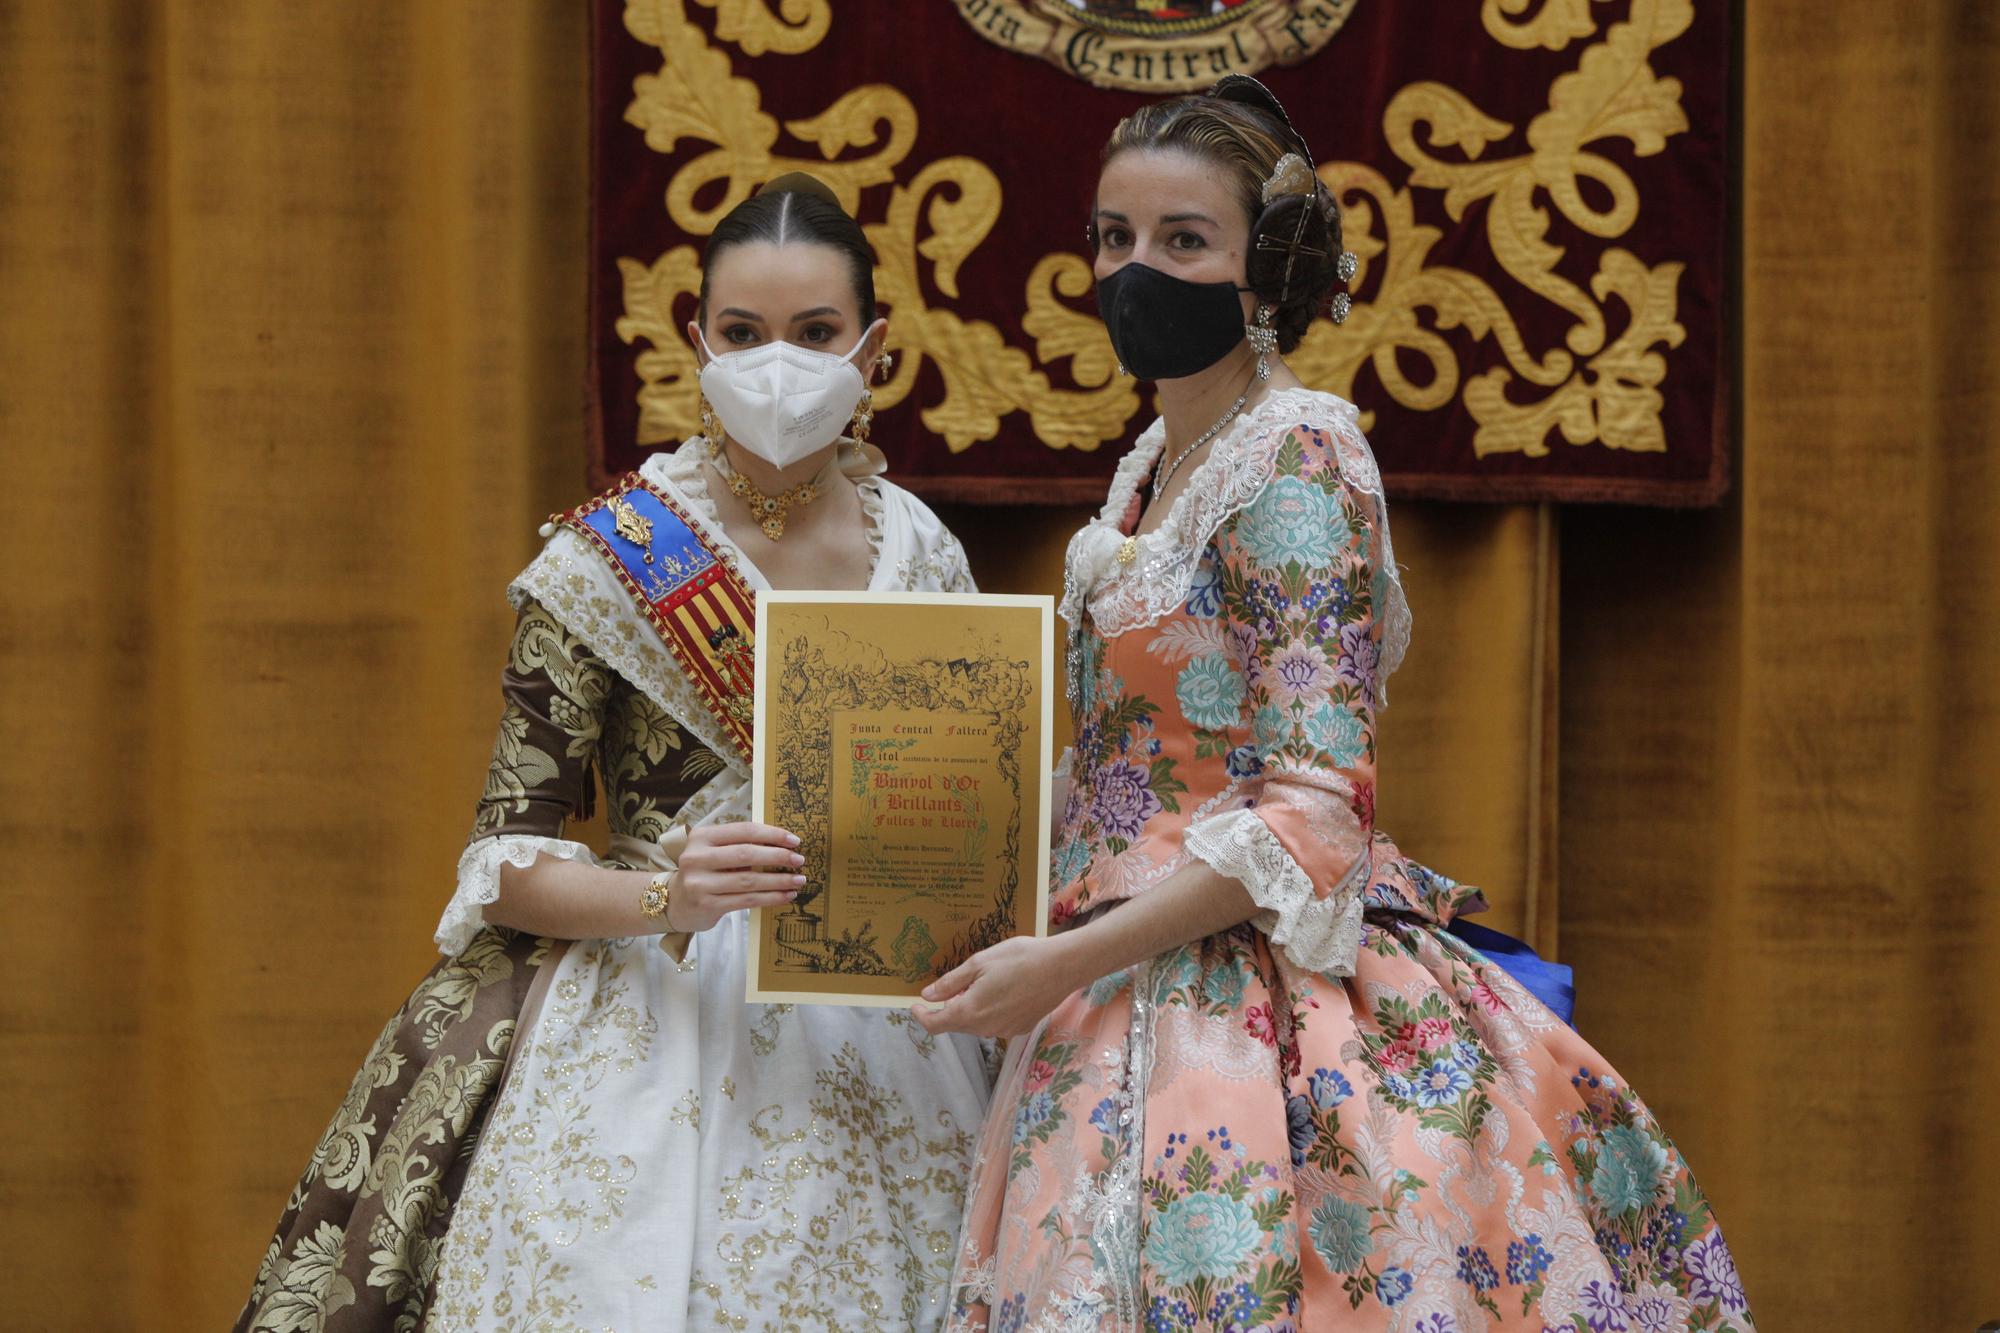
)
(1240, 127)
(795, 208)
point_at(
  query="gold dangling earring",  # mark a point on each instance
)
(711, 429)
(864, 416)
(1264, 338)
(883, 366)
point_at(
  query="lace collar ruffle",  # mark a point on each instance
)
(1122, 597)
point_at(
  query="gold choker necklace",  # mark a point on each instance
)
(770, 511)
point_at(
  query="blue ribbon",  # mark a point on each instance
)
(1551, 983)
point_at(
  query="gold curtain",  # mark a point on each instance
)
(290, 365)
(1780, 836)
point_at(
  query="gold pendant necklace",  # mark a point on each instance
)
(770, 511)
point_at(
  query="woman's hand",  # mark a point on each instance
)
(1003, 991)
(728, 867)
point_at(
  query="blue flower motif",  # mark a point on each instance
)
(1629, 1164)
(1243, 762)
(1466, 1055)
(1223, 986)
(1034, 1110)
(1105, 1116)
(1329, 1088)
(1299, 1126)
(1437, 1323)
(1394, 1286)
(1165, 1316)
(1527, 1259)
(1440, 1083)
(1071, 860)
(1340, 1234)
(1201, 1235)
(1337, 734)
(1271, 729)
(1475, 1268)
(1013, 1314)
(1210, 691)
(1204, 597)
(1293, 522)
(1234, 1307)
(1402, 1089)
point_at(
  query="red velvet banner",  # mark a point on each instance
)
(1537, 190)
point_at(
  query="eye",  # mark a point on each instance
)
(739, 335)
(1186, 240)
(812, 335)
(1114, 238)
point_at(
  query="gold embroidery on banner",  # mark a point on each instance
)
(1600, 387)
(1613, 398)
(937, 219)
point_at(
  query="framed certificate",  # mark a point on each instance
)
(904, 737)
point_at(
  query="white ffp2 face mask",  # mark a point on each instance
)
(781, 401)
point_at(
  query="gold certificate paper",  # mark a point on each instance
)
(904, 737)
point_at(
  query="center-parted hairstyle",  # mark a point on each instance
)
(796, 208)
(1295, 258)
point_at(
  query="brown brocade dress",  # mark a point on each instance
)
(559, 1136)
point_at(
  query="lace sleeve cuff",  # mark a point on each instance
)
(479, 881)
(1318, 934)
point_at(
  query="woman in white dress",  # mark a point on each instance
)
(576, 1121)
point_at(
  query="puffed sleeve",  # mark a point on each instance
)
(1294, 571)
(554, 691)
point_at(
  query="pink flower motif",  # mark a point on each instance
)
(1487, 998)
(1398, 1057)
(1434, 1033)
(1258, 1024)
(1040, 1075)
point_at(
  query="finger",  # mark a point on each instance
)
(744, 902)
(935, 1018)
(953, 982)
(751, 831)
(743, 856)
(735, 885)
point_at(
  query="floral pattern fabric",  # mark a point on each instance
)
(1339, 1116)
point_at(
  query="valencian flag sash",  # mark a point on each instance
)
(689, 592)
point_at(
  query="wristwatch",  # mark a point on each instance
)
(653, 899)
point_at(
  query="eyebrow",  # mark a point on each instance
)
(1169, 217)
(740, 314)
(814, 312)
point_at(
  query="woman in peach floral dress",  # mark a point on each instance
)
(1262, 1086)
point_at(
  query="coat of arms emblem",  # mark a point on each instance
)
(1159, 46)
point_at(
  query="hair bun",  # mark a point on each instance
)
(1246, 91)
(800, 182)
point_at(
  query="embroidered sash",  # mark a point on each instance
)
(687, 590)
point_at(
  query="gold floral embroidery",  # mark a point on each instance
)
(874, 1173)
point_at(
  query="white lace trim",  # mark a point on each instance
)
(1317, 934)
(479, 881)
(1121, 597)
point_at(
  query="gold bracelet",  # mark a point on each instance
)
(655, 897)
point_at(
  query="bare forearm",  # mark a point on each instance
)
(1191, 904)
(570, 900)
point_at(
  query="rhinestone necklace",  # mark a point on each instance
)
(1166, 474)
(1128, 550)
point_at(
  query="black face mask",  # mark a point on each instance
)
(1166, 328)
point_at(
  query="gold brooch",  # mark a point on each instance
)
(1128, 550)
(631, 525)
